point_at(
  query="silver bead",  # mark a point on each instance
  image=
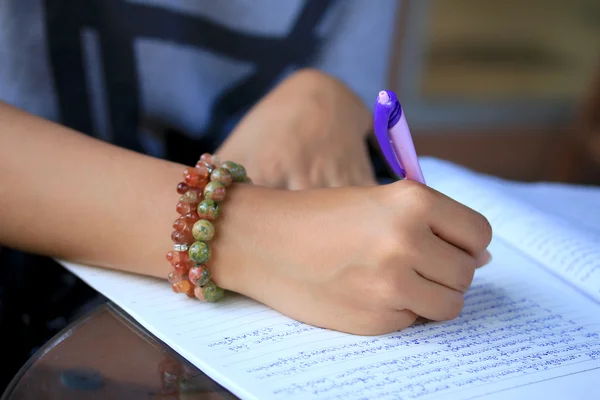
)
(180, 247)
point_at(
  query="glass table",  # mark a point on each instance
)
(107, 355)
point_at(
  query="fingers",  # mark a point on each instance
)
(483, 259)
(446, 265)
(450, 220)
(459, 225)
(431, 300)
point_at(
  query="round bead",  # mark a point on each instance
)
(208, 209)
(199, 252)
(173, 277)
(196, 176)
(222, 176)
(202, 164)
(203, 230)
(184, 237)
(238, 171)
(184, 208)
(175, 257)
(183, 286)
(199, 275)
(182, 268)
(182, 224)
(190, 218)
(210, 159)
(214, 191)
(210, 292)
(171, 255)
(182, 187)
(191, 196)
(198, 293)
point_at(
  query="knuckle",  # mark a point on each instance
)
(386, 250)
(417, 197)
(388, 289)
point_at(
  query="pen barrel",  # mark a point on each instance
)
(404, 148)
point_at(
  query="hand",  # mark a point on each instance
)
(361, 260)
(308, 132)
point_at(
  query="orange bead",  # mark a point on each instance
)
(176, 256)
(183, 286)
(196, 176)
(184, 208)
(180, 257)
(180, 237)
(190, 292)
(184, 224)
(209, 159)
(179, 224)
(191, 217)
(173, 277)
(183, 268)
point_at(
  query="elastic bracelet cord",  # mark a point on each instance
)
(202, 193)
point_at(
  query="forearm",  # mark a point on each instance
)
(69, 196)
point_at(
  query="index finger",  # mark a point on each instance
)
(458, 224)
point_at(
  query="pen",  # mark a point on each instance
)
(395, 140)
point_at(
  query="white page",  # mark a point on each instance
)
(570, 251)
(579, 204)
(521, 327)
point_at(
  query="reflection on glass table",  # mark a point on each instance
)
(107, 355)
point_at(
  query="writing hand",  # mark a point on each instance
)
(360, 260)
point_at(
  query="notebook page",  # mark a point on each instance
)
(576, 203)
(520, 326)
(570, 251)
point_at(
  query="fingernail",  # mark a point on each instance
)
(484, 259)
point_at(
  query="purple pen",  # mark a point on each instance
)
(394, 137)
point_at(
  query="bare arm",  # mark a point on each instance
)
(360, 259)
(69, 196)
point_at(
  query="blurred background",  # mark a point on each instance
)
(508, 88)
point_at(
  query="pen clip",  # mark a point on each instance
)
(387, 114)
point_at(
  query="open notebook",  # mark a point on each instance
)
(530, 327)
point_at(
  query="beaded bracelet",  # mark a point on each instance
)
(202, 192)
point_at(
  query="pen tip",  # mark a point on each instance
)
(383, 97)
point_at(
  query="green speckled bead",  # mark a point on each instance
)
(203, 230)
(199, 275)
(238, 171)
(214, 191)
(208, 209)
(222, 176)
(212, 292)
(199, 252)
